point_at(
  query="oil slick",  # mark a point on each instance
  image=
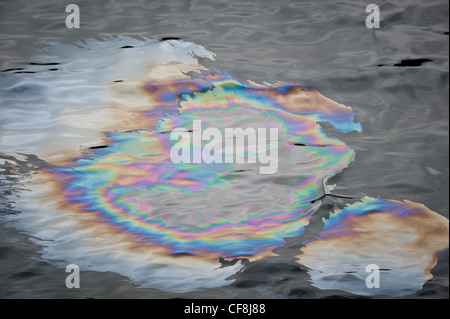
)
(134, 188)
(110, 198)
(401, 238)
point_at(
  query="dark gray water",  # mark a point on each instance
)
(395, 79)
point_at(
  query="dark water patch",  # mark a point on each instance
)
(23, 275)
(335, 297)
(410, 62)
(169, 38)
(331, 195)
(13, 69)
(97, 147)
(127, 47)
(414, 62)
(295, 292)
(39, 63)
(247, 284)
(4, 251)
(226, 263)
(277, 271)
(427, 293)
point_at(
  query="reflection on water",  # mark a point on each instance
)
(111, 199)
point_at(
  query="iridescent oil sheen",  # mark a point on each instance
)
(132, 183)
(401, 238)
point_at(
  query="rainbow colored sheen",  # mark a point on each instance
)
(132, 184)
(338, 223)
(400, 238)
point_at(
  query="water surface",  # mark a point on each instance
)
(401, 154)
